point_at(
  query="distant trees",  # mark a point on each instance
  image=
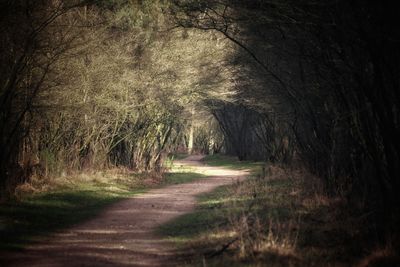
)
(96, 84)
(99, 84)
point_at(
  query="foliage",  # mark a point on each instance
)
(109, 85)
(67, 201)
(283, 217)
(122, 83)
(233, 163)
(38, 215)
(323, 72)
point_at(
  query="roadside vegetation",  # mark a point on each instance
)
(310, 88)
(41, 209)
(232, 162)
(282, 217)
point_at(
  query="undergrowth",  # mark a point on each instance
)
(280, 217)
(43, 207)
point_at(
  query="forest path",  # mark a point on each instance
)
(124, 234)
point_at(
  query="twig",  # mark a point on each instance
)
(224, 247)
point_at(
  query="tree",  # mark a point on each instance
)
(329, 73)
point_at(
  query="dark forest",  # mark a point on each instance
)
(307, 91)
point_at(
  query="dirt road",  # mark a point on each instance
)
(124, 233)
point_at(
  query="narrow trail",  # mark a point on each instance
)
(124, 233)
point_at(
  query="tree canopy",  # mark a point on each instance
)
(96, 84)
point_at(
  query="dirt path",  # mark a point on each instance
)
(124, 233)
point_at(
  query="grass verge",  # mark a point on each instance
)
(190, 226)
(233, 163)
(280, 219)
(230, 227)
(68, 202)
(71, 200)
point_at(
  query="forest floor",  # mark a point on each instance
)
(125, 233)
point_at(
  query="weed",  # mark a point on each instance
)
(283, 218)
(44, 207)
(233, 163)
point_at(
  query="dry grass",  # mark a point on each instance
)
(114, 179)
(284, 218)
(259, 231)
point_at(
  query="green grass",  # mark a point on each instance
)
(209, 227)
(179, 174)
(207, 215)
(233, 163)
(190, 230)
(181, 177)
(36, 216)
(298, 227)
(211, 210)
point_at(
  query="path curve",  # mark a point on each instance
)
(124, 233)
